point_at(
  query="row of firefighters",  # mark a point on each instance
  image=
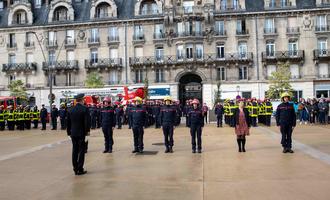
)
(22, 117)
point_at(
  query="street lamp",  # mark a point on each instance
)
(238, 88)
(50, 66)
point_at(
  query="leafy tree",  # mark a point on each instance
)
(94, 80)
(17, 89)
(146, 88)
(280, 81)
(217, 95)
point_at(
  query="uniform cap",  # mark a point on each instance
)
(79, 96)
(167, 98)
(138, 99)
(107, 99)
(285, 94)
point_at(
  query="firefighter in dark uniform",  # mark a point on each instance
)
(186, 110)
(78, 128)
(20, 118)
(108, 123)
(129, 114)
(119, 116)
(286, 121)
(178, 113)
(2, 118)
(11, 118)
(35, 117)
(43, 117)
(156, 113)
(63, 113)
(54, 116)
(218, 111)
(232, 107)
(196, 123)
(27, 117)
(168, 114)
(254, 112)
(268, 111)
(139, 115)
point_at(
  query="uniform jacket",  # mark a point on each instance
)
(139, 116)
(108, 117)
(79, 121)
(218, 111)
(196, 117)
(62, 113)
(54, 113)
(285, 115)
(43, 113)
(168, 114)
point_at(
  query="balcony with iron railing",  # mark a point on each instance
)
(64, 65)
(103, 63)
(189, 10)
(28, 44)
(228, 58)
(113, 40)
(242, 32)
(52, 44)
(324, 76)
(138, 38)
(148, 12)
(70, 43)
(321, 55)
(93, 41)
(231, 8)
(12, 46)
(322, 28)
(159, 36)
(19, 67)
(292, 30)
(283, 56)
(270, 32)
(189, 34)
(273, 5)
(104, 15)
(220, 33)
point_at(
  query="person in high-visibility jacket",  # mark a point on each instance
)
(261, 114)
(254, 112)
(20, 118)
(226, 111)
(2, 118)
(11, 118)
(27, 117)
(268, 111)
(35, 116)
(232, 108)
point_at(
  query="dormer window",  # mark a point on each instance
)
(103, 10)
(149, 8)
(61, 14)
(1, 5)
(20, 17)
(188, 6)
(37, 3)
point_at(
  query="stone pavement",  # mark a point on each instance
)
(36, 165)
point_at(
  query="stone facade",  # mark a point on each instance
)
(238, 42)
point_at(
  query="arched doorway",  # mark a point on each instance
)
(190, 87)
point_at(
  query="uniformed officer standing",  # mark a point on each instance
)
(168, 114)
(156, 113)
(54, 116)
(43, 117)
(11, 118)
(93, 114)
(254, 112)
(286, 121)
(139, 115)
(35, 116)
(108, 123)
(119, 115)
(78, 128)
(20, 118)
(196, 123)
(268, 112)
(27, 117)
(63, 114)
(219, 111)
(2, 118)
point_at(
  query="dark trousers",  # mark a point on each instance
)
(157, 121)
(205, 118)
(322, 117)
(93, 122)
(108, 138)
(2, 125)
(312, 118)
(11, 125)
(27, 124)
(118, 119)
(168, 135)
(54, 123)
(187, 121)
(254, 121)
(138, 133)
(20, 125)
(196, 133)
(35, 123)
(286, 131)
(43, 123)
(63, 123)
(268, 120)
(232, 121)
(219, 121)
(78, 153)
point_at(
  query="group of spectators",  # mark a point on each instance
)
(313, 110)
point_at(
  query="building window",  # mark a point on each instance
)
(323, 70)
(179, 52)
(113, 79)
(113, 55)
(20, 17)
(221, 74)
(29, 58)
(102, 10)
(12, 78)
(235, 4)
(159, 54)
(269, 26)
(138, 52)
(270, 49)
(95, 38)
(220, 51)
(12, 40)
(189, 51)
(293, 48)
(1, 5)
(241, 27)
(223, 4)
(322, 46)
(297, 94)
(180, 29)
(149, 8)
(113, 33)
(198, 28)
(52, 39)
(51, 57)
(139, 76)
(159, 75)
(188, 28)
(138, 32)
(199, 51)
(220, 27)
(242, 50)
(94, 56)
(12, 59)
(61, 14)
(322, 93)
(243, 73)
(188, 6)
(321, 23)
(159, 31)
(247, 95)
(70, 37)
(29, 39)
(37, 3)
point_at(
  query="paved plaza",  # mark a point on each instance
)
(37, 165)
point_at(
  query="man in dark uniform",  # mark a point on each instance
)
(129, 114)
(2, 118)
(178, 113)
(119, 115)
(27, 117)
(218, 111)
(139, 115)
(186, 110)
(286, 121)
(54, 116)
(93, 114)
(43, 116)
(78, 127)
(254, 112)
(167, 120)
(108, 124)
(11, 118)
(156, 112)
(35, 117)
(196, 123)
(63, 113)
(268, 111)
(20, 118)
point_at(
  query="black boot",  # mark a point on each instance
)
(243, 144)
(239, 145)
(167, 150)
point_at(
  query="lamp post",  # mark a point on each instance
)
(50, 66)
(238, 88)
